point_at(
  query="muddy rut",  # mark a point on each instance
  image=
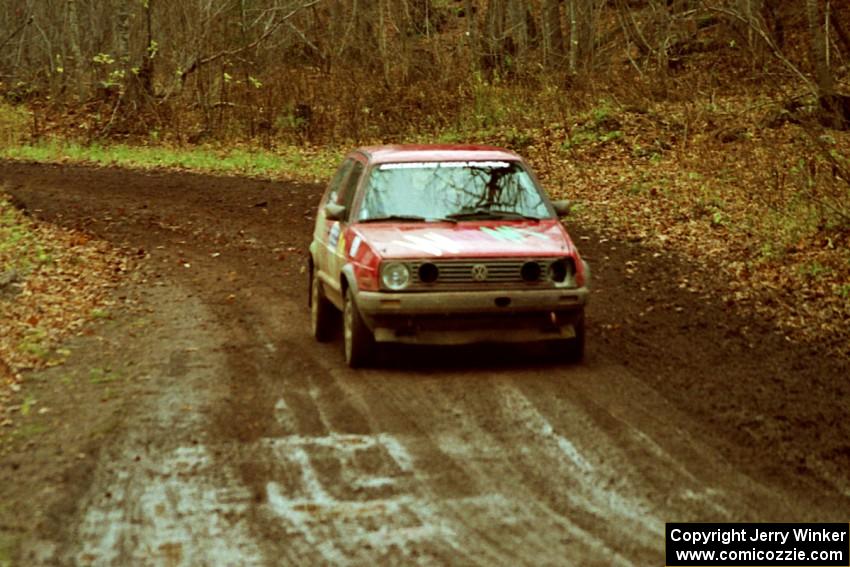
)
(257, 446)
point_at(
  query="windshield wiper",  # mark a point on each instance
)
(415, 218)
(515, 215)
(484, 213)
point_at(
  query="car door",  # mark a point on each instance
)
(335, 242)
(324, 226)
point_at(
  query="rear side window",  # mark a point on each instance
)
(337, 181)
(350, 188)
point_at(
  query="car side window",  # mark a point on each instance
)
(337, 182)
(346, 194)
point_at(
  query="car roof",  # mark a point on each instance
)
(436, 152)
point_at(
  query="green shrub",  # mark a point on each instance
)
(13, 125)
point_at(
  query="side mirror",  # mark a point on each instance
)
(562, 207)
(334, 211)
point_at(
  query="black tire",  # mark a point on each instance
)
(358, 341)
(321, 310)
(575, 346)
(571, 350)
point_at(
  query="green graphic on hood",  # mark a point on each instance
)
(511, 234)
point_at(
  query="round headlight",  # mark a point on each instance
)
(563, 271)
(395, 276)
(558, 271)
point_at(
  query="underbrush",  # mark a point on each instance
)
(13, 125)
(763, 206)
(20, 248)
(304, 163)
(763, 210)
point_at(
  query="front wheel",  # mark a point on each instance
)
(358, 340)
(571, 350)
(575, 346)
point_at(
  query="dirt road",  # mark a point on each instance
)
(244, 442)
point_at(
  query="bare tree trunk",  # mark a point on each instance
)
(553, 35)
(586, 31)
(748, 25)
(826, 86)
(745, 8)
(773, 22)
(835, 107)
(76, 52)
(496, 33)
(841, 34)
(472, 33)
(122, 38)
(574, 39)
(382, 42)
(147, 68)
(122, 42)
(518, 25)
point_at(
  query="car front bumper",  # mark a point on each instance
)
(462, 317)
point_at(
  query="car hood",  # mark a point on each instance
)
(465, 239)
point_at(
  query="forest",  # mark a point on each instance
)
(338, 70)
(712, 128)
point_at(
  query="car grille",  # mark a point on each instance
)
(481, 274)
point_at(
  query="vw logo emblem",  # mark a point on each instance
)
(479, 272)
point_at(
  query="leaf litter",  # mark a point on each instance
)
(53, 282)
(757, 214)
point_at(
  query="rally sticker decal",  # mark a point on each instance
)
(430, 243)
(355, 246)
(333, 235)
(511, 234)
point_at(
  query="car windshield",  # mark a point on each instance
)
(452, 191)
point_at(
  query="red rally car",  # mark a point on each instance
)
(443, 244)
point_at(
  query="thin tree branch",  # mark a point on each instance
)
(201, 61)
(629, 47)
(18, 30)
(305, 39)
(768, 41)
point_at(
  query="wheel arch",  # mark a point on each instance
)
(310, 268)
(347, 280)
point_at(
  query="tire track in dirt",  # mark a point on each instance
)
(527, 524)
(340, 482)
(159, 496)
